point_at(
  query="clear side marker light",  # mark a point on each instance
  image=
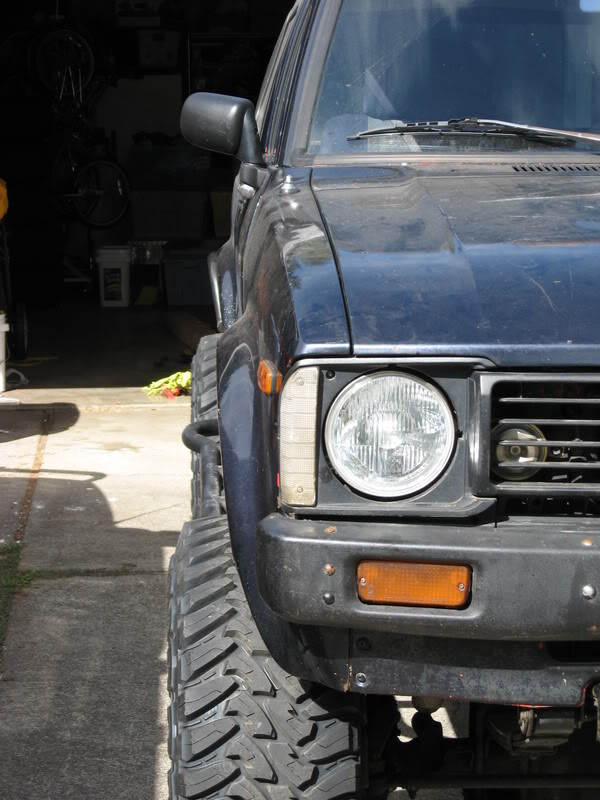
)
(298, 438)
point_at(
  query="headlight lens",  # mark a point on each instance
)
(389, 434)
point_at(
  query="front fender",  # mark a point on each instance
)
(293, 309)
(247, 422)
(223, 284)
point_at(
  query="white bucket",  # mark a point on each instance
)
(113, 275)
(3, 331)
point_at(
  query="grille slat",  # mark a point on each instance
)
(575, 401)
(567, 465)
(575, 443)
(546, 489)
(538, 421)
(542, 450)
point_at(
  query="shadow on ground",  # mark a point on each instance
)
(62, 416)
(83, 675)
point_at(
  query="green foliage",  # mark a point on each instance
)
(10, 581)
(179, 380)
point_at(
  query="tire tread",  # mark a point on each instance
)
(241, 727)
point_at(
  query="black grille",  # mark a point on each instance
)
(556, 168)
(578, 506)
(561, 444)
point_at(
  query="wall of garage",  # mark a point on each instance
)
(149, 56)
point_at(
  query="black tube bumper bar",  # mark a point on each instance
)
(195, 438)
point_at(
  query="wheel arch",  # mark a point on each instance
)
(224, 285)
(249, 452)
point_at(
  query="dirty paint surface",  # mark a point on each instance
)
(502, 264)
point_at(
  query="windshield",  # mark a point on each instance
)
(535, 62)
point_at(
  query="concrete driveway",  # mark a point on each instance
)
(97, 493)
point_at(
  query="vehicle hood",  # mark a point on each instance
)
(503, 265)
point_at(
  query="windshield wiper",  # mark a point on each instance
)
(556, 136)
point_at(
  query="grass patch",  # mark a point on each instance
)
(11, 580)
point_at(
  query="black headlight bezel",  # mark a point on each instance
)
(449, 495)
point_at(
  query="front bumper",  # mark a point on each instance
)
(528, 580)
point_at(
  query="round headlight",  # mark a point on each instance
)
(389, 434)
(520, 451)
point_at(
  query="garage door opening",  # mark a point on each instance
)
(112, 215)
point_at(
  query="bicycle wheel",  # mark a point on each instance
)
(65, 63)
(101, 193)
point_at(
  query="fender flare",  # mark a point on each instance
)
(249, 454)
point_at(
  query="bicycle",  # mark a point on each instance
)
(65, 64)
(88, 185)
(87, 182)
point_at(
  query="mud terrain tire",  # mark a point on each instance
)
(204, 402)
(204, 379)
(240, 727)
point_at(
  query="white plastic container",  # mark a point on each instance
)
(3, 331)
(113, 275)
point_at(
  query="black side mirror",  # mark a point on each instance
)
(222, 124)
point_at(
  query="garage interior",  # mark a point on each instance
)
(109, 208)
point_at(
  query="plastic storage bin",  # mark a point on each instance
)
(113, 274)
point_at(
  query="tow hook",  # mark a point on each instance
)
(545, 729)
(532, 731)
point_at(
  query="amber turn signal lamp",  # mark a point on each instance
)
(404, 584)
(269, 378)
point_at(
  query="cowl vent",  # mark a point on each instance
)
(557, 168)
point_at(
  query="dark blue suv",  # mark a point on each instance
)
(396, 432)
